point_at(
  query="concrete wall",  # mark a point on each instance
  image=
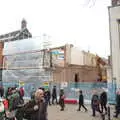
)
(109, 74)
(68, 54)
(114, 16)
(77, 56)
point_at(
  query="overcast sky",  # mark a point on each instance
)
(65, 21)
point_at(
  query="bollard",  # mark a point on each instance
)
(108, 113)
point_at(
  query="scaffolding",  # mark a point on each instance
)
(24, 62)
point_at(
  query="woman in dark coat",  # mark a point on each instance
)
(103, 101)
(36, 108)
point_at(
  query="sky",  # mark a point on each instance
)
(84, 25)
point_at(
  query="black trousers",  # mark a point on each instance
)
(95, 108)
(82, 105)
(54, 98)
(62, 104)
(103, 106)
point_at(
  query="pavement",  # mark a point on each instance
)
(71, 113)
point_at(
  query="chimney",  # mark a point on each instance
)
(23, 24)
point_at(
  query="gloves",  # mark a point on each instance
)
(36, 107)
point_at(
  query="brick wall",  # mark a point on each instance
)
(85, 74)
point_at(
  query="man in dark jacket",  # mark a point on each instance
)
(47, 97)
(103, 101)
(54, 95)
(81, 101)
(37, 109)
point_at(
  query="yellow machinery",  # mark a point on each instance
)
(99, 62)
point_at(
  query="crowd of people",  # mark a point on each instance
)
(36, 107)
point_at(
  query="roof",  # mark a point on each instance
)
(23, 33)
(16, 35)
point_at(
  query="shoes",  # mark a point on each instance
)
(78, 109)
(61, 109)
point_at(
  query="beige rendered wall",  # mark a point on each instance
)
(77, 57)
(114, 16)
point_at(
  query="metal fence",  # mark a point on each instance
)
(71, 90)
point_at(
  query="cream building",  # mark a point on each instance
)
(114, 21)
(76, 56)
(71, 63)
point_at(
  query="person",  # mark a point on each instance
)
(8, 92)
(95, 104)
(32, 93)
(103, 101)
(1, 91)
(54, 95)
(36, 109)
(117, 106)
(61, 99)
(47, 96)
(13, 99)
(81, 101)
(21, 93)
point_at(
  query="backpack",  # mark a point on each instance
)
(95, 100)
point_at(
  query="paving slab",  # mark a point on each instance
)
(71, 113)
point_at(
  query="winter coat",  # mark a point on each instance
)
(13, 100)
(103, 98)
(81, 99)
(95, 100)
(118, 100)
(40, 114)
(54, 93)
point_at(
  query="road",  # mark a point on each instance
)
(71, 113)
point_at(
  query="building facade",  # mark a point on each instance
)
(73, 65)
(23, 33)
(114, 21)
